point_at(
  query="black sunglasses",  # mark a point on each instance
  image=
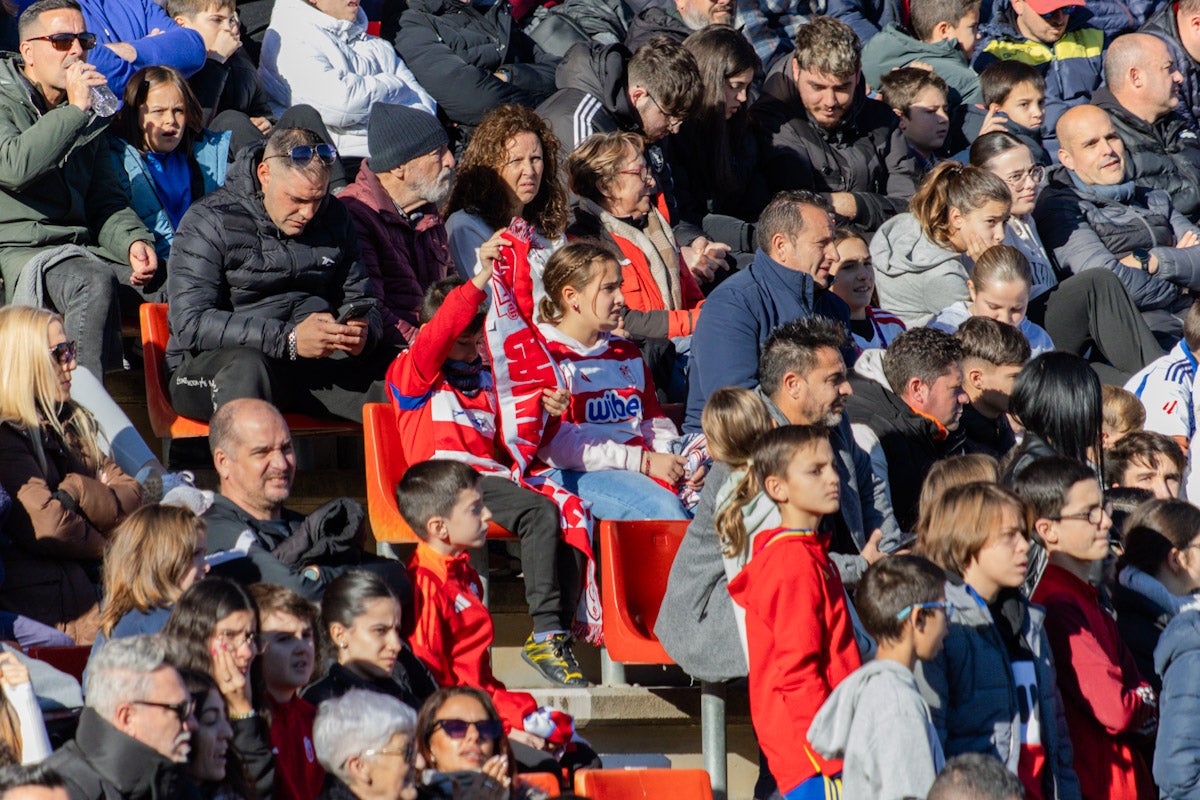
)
(457, 728)
(302, 154)
(182, 710)
(62, 41)
(64, 352)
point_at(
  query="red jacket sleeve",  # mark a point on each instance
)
(419, 368)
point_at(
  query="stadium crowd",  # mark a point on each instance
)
(894, 304)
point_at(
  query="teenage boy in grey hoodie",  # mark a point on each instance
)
(876, 720)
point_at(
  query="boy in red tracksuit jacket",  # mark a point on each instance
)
(444, 402)
(441, 500)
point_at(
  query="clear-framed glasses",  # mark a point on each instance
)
(1018, 179)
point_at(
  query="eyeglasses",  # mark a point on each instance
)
(407, 752)
(62, 41)
(303, 154)
(1034, 173)
(1065, 10)
(183, 710)
(1093, 516)
(673, 123)
(237, 640)
(457, 728)
(64, 352)
(942, 604)
(642, 172)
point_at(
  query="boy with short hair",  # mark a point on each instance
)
(228, 81)
(1145, 460)
(442, 503)
(1166, 386)
(945, 34)
(1014, 100)
(993, 354)
(875, 718)
(1110, 708)
(287, 626)
(918, 98)
(444, 406)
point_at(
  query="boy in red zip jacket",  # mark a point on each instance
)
(445, 408)
(1111, 711)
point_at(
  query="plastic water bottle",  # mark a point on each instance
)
(104, 102)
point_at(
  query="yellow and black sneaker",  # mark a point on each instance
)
(554, 660)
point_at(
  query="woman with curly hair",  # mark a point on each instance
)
(510, 169)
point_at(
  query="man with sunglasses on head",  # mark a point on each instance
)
(1055, 38)
(135, 731)
(268, 297)
(67, 232)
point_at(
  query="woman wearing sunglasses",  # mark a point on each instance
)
(69, 494)
(365, 743)
(1087, 311)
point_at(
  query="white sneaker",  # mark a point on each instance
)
(158, 484)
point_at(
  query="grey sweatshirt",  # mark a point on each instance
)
(878, 724)
(916, 278)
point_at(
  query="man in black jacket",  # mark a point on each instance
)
(1178, 24)
(677, 19)
(1141, 96)
(267, 295)
(135, 731)
(906, 411)
(821, 132)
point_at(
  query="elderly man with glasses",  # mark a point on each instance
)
(268, 296)
(68, 233)
(135, 731)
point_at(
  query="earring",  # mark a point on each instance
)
(575, 307)
(344, 645)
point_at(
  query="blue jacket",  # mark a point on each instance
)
(1114, 17)
(740, 315)
(1177, 751)
(131, 21)
(869, 17)
(1073, 67)
(210, 154)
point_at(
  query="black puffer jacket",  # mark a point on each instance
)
(230, 86)
(656, 21)
(1164, 26)
(455, 48)
(1084, 230)
(236, 280)
(865, 155)
(1164, 154)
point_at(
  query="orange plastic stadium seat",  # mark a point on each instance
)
(70, 659)
(386, 463)
(643, 784)
(636, 558)
(163, 419)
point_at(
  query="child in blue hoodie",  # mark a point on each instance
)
(876, 720)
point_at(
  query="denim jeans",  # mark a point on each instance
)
(621, 494)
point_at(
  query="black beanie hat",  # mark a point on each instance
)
(398, 134)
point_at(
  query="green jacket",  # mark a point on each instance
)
(892, 47)
(58, 183)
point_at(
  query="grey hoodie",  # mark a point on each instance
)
(878, 724)
(916, 278)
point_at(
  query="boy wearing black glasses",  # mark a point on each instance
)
(876, 720)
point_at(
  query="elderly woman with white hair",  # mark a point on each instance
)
(364, 740)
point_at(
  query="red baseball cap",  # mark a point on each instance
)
(1050, 6)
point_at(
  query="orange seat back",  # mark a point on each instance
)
(70, 659)
(643, 784)
(636, 558)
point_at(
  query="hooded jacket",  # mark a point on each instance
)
(591, 96)
(58, 179)
(656, 21)
(871, 722)
(1144, 609)
(865, 155)
(916, 278)
(1164, 25)
(1164, 154)
(1073, 66)
(455, 49)
(740, 315)
(237, 281)
(1084, 230)
(973, 117)
(894, 47)
(335, 66)
(1177, 749)
(973, 697)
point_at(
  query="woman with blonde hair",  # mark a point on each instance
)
(69, 494)
(510, 169)
(154, 556)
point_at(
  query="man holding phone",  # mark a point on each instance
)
(267, 295)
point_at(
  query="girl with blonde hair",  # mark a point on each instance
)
(69, 494)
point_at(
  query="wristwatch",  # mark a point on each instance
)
(1143, 257)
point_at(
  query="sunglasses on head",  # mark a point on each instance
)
(62, 41)
(303, 154)
(457, 728)
(63, 352)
